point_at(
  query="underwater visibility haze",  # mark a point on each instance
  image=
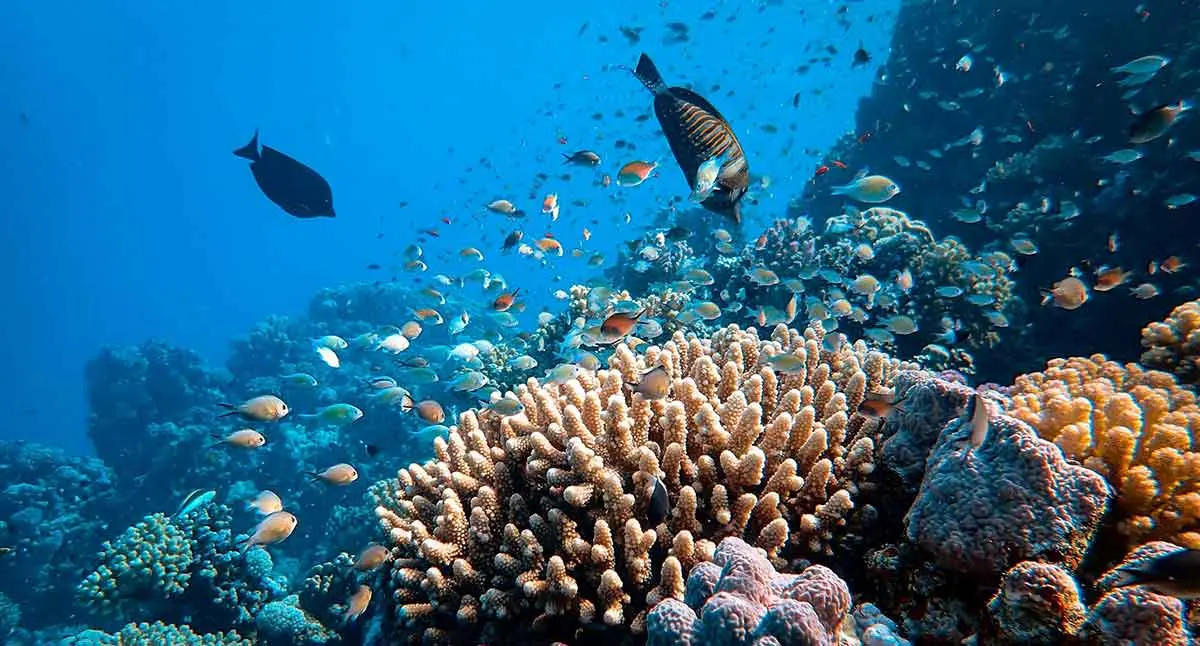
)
(850, 323)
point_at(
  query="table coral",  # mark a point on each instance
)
(738, 598)
(1134, 427)
(1173, 345)
(1013, 498)
(522, 521)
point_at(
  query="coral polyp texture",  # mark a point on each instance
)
(1012, 498)
(156, 634)
(1173, 345)
(738, 598)
(537, 522)
(1037, 603)
(1134, 614)
(152, 559)
(1133, 426)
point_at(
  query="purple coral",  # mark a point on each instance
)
(1135, 615)
(929, 403)
(748, 602)
(1014, 498)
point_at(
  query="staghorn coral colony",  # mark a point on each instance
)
(543, 520)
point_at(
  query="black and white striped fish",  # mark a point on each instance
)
(698, 133)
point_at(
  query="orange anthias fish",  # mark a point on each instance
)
(620, 324)
(1069, 294)
(821, 170)
(698, 133)
(550, 245)
(504, 301)
(1172, 264)
(635, 172)
(550, 205)
(838, 164)
(1110, 278)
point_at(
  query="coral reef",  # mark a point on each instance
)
(1173, 345)
(54, 511)
(930, 403)
(1037, 603)
(738, 598)
(150, 560)
(1134, 614)
(492, 535)
(1013, 498)
(156, 634)
(188, 568)
(1131, 425)
(132, 388)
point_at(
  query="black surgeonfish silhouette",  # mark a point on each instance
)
(697, 133)
(296, 188)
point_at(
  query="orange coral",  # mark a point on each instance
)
(1135, 427)
(1173, 345)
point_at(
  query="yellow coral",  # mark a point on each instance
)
(1135, 427)
(547, 511)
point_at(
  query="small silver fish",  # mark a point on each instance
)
(193, 501)
(978, 414)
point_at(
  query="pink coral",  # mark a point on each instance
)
(750, 603)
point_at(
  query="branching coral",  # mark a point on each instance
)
(738, 598)
(1134, 427)
(524, 521)
(1173, 345)
(185, 569)
(156, 634)
(152, 559)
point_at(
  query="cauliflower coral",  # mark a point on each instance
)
(541, 520)
(1133, 426)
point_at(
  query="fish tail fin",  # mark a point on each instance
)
(648, 74)
(566, 159)
(517, 291)
(219, 441)
(1185, 105)
(250, 150)
(232, 410)
(1046, 296)
(245, 545)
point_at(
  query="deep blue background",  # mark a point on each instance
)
(126, 217)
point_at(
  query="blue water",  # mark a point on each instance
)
(126, 216)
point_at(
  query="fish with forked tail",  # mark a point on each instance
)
(296, 188)
(698, 133)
